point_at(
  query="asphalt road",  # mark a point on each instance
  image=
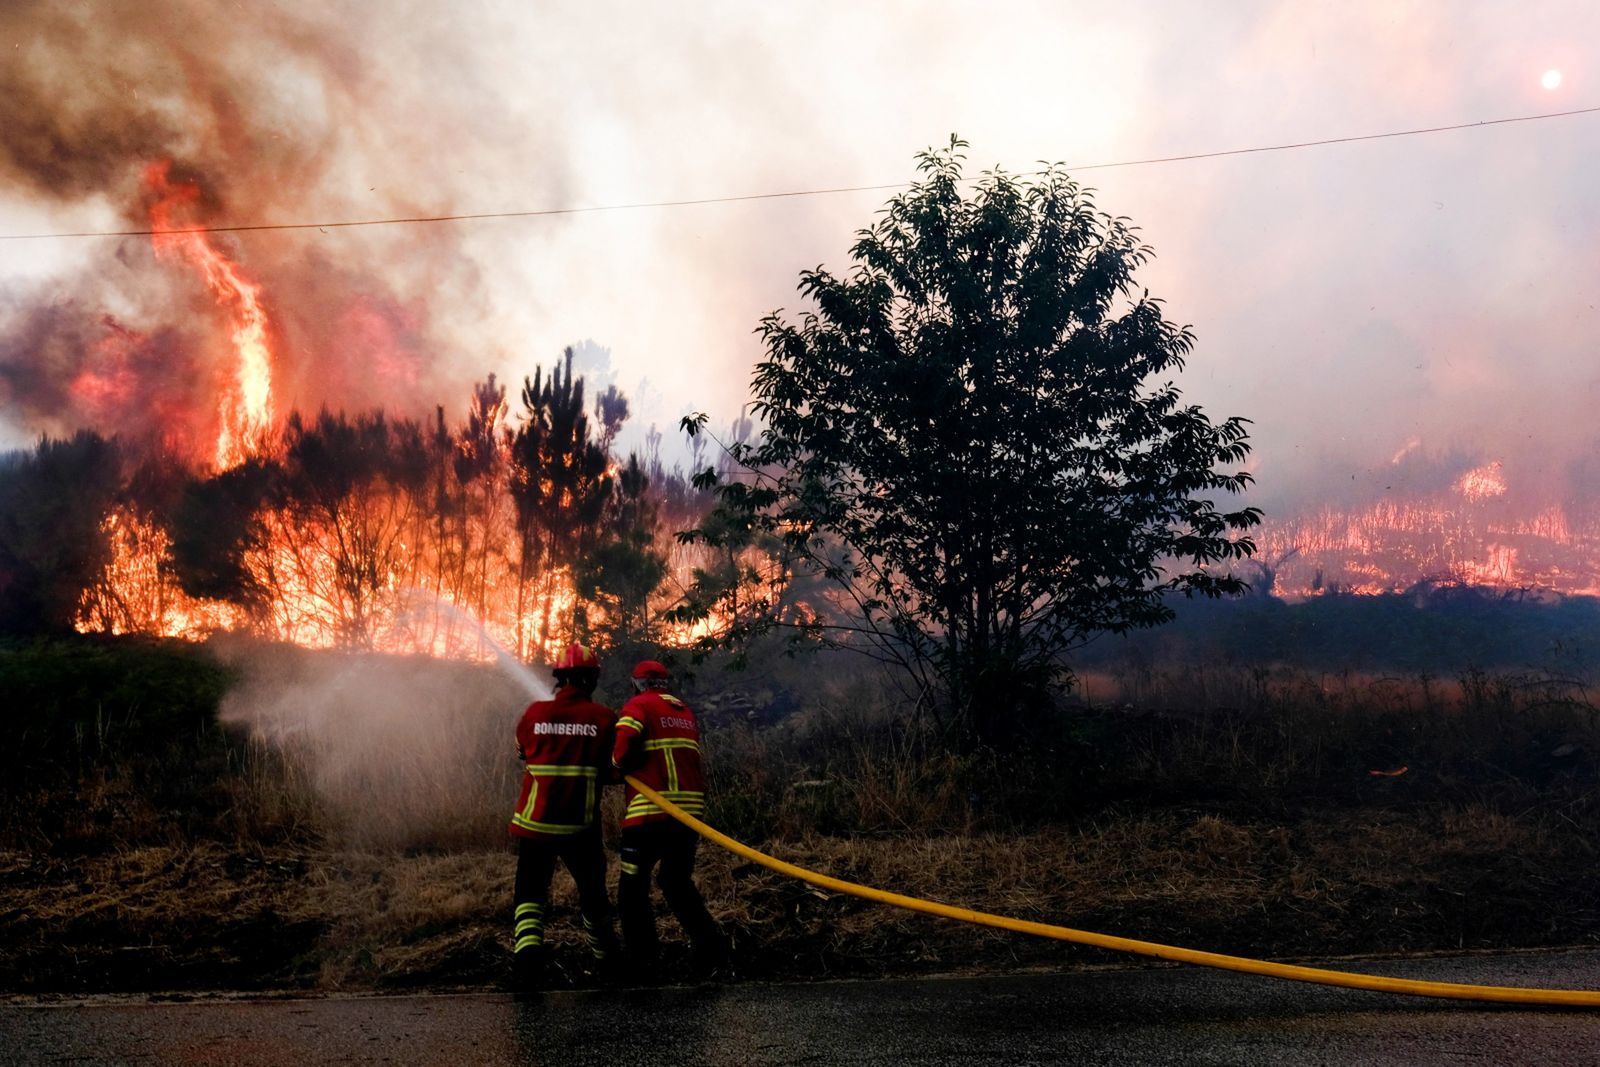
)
(1135, 1016)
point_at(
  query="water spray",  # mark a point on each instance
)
(504, 658)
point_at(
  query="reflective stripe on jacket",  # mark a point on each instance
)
(566, 753)
(658, 742)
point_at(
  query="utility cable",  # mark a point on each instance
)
(787, 194)
(1581, 998)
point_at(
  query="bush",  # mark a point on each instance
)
(87, 700)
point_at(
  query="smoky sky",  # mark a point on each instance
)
(271, 112)
(1350, 299)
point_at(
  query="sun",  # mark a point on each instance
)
(1551, 79)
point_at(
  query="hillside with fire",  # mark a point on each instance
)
(467, 470)
(514, 521)
(361, 530)
(227, 509)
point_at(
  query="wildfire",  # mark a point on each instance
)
(245, 405)
(1469, 533)
(1481, 483)
(1499, 567)
(688, 634)
(136, 592)
(393, 536)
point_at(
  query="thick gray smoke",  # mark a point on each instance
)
(1348, 298)
(275, 115)
(65, 365)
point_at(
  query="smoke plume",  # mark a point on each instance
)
(271, 115)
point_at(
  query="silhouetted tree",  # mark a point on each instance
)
(480, 468)
(611, 408)
(351, 487)
(215, 526)
(53, 502)
(623, 570)
(973, 438)
(559, 483)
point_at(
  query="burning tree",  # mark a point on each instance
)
(355, 493)
(359, 531)
(475, 497)
(968, 438)
(624, 570)
(560, 482)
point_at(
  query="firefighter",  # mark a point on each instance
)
(565, 744)
(658, 742)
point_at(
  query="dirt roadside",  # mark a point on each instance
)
(202, 916)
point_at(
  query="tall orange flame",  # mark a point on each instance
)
(245, 406)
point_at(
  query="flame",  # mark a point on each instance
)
(135, 592)
(309, 603)
(1411, 445)
(689, 634)
(245, 406)
(392, 566)
(1469, 533)
(1481, 483)
(1499, 567)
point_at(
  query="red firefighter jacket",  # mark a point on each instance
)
(658, 742)
(566, 755)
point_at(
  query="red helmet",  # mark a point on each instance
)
(577, 658)
(649, 668)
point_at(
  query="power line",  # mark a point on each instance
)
(788, 194)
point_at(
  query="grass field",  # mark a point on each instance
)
(185, 818)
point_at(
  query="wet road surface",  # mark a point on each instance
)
(1134, 1016)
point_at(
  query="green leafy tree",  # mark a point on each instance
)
(974, 438)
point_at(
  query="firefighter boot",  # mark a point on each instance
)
(642, 949)
(528, 969)
(604, 947)
(528, 953)
(708, 949)
(708, 956)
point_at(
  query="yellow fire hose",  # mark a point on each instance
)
(1583, 998)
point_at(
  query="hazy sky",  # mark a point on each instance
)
(1348, 298)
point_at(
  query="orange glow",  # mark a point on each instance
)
(136, 592)
(1473, 532)
(245, 407)
(310, 603)
(1499, 567)
(1482, 483)
(385, 563)
(688, 634)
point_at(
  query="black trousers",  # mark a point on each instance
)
(585, 859)
(672, 846)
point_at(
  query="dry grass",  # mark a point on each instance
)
(205, 915)
(1356, 882)
(1251, 827)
